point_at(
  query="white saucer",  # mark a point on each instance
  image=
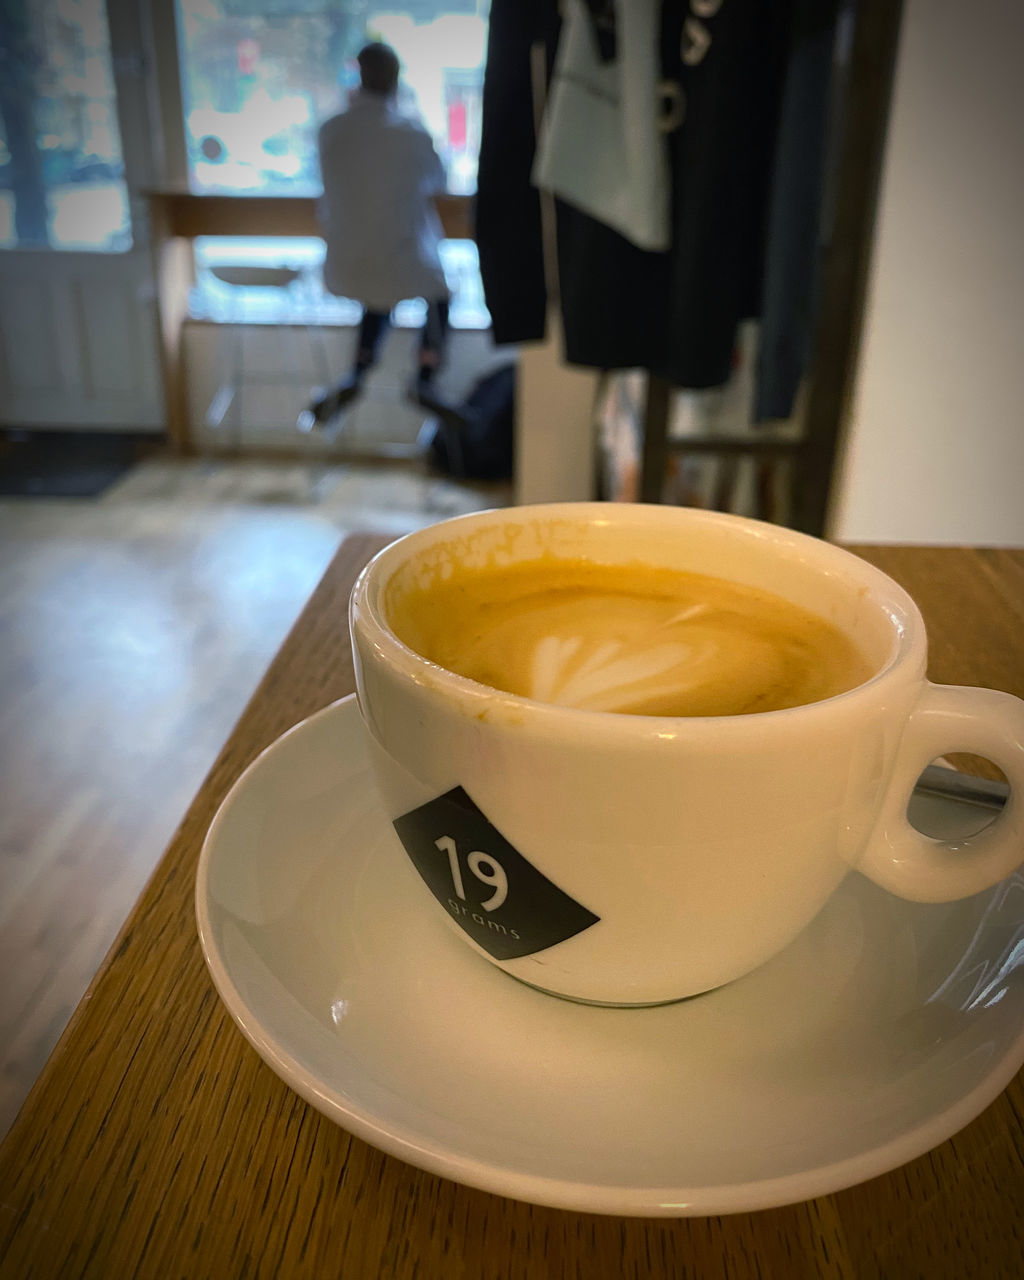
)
(881, 1031)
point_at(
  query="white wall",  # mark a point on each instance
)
(554, 401)
(554, 424)
(936, 437)
(280, 368)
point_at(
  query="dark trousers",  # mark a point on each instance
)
(375, 324)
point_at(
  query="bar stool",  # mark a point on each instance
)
(224, 411)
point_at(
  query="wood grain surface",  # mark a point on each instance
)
(157, 1143)
(132, 634)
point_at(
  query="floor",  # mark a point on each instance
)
(133, 628)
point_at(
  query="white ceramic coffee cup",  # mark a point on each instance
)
(668, 855)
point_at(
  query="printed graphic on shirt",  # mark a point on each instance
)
(498, 897)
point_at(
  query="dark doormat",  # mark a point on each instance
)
(66, 464)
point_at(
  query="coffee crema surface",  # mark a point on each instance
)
(633, 639)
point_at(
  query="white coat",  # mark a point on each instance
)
(380, 171)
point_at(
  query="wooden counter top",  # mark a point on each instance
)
(156, 1142)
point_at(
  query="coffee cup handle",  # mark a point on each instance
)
(946, 719)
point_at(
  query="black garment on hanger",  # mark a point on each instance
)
(673, 313)
(803, 171)
(507, 207)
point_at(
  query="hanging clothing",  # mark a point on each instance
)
(522, 36)
(601, 149)
(675, 312)
(380, 173)
(808, 125)
(730, 66)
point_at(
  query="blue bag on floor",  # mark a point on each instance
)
(480, 446)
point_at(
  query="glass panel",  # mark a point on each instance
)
(258, 76)
(61, 170)
(306, 301)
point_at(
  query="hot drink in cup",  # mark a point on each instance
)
(631, 750)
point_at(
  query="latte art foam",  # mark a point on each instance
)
(633, 640)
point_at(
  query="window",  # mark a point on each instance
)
(61, 170)
(307, 302)
(258, 76)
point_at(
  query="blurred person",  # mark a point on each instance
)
(380, 173)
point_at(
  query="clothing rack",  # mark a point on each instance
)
(872, 62)
(657, 447)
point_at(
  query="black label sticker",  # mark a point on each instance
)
(501, 900)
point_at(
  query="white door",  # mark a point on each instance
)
(78, 328)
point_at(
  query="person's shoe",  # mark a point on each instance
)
(441, 440)
(307, 420)
(325, 406)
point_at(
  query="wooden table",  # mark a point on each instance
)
(156, 1142)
